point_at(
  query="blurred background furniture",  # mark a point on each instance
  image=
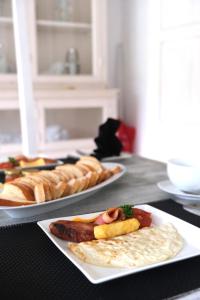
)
(68, 53)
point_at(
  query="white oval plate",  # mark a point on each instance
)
(178, 195)
(40, 208)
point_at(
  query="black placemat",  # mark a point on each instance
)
(31, 267)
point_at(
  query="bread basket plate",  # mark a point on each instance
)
(96, 274)
(40, 208)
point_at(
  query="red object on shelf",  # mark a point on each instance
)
(126, 134)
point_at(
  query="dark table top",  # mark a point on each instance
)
(31, 267)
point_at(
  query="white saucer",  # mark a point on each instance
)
(177, 195)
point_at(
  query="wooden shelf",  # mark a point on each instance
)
(60, 24)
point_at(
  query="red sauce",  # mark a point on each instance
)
(143, 217)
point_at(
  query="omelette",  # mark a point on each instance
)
(143, 247)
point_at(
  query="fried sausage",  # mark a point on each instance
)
(72, 231)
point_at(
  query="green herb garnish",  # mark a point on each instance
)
(13, 161)
(127, 209)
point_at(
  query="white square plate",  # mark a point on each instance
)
(190, 234)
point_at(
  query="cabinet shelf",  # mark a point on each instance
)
(6, 20)
(59, 24)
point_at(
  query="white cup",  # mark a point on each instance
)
(184, 174)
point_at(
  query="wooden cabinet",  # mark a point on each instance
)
(70, 121)
(65, 121)
(7, 48)
(67, 38)
(68, 55)
(10, 130)
(66, 27)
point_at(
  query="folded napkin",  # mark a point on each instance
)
(108, 144)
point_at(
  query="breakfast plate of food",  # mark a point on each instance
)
(122, 240)
(47, 190)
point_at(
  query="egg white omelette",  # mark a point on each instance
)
(140, 248)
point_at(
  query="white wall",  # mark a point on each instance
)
(127, 30)
(115, 46)
(135, 53)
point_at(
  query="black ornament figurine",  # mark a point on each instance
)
(107, 142)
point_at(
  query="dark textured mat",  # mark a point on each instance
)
(31, 267)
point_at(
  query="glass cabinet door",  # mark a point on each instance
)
(10, 132)
(7, 47)
(63, 124)
(64, 37)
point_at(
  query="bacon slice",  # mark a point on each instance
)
(110, 215)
